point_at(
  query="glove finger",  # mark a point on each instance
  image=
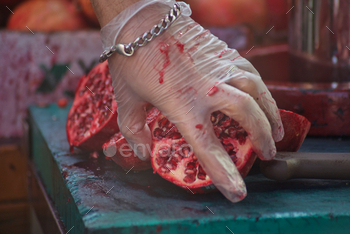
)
(133, 126)
(255, 87)
(241, 107)
(212, 156)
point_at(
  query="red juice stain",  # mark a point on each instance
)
(164, 49)
(180, 47)
(68, 200)
(235, 58)
(159, 228)
(71, 148)
(213, 90)
(199, 126)
(223, 52)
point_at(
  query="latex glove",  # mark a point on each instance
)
(174, 72)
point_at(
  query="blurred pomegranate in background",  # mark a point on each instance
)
(9, 2)
(225, 13)
(46, 16)
(86, 7)
(277, 10)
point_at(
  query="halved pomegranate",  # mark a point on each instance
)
(125, 156)
(92, 119)
(173, 159)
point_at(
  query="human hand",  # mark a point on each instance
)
(174, 72)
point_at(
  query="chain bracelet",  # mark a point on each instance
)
(129, 49)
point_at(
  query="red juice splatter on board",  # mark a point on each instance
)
(199, 126)
(213, 90)
(164, 49)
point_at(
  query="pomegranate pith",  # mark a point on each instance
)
(92, 119)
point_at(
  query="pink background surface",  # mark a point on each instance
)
(21, 55)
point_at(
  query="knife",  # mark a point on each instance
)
(292, 165)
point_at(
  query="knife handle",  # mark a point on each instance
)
(292, 165)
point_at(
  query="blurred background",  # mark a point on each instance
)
(47, 45)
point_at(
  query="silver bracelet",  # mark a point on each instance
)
(129, 49)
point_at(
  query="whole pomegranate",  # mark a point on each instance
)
(225, 13)
(277, 10)
(46, 16)
(9, 2)
(92, 119)
(88, 11)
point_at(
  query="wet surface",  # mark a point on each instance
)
(142, 201)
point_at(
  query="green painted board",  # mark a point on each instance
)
(96, 196)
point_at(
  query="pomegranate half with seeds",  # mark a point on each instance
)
(92, 119)
(173, 159)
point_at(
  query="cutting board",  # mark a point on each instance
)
(97, 196)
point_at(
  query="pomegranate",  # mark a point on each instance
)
(173, 159)
(277, 10)
(225, 13)
(46, 16)
(9, 2)
(92, 119)
(296, 128)
(125, 157)
(88, 11)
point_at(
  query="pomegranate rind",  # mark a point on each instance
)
(125, 156)
(46, 16)
(296, 128)
(98, 133)
(244, 160)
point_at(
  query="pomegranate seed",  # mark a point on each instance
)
(189, 179)
(161, 161)
(231, 132)
(164, 151)
(171, 166)
(190, 165)
(186, 151)
(219, 117)
(163, 123)
(157, 133)
(241, 136)
(190, 171)
(176, 135)
(176, 158)
(201, 176)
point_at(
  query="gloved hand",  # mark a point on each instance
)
(174, 72)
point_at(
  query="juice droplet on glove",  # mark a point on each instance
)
(199, 126)
(213, 90)
(164, 49)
